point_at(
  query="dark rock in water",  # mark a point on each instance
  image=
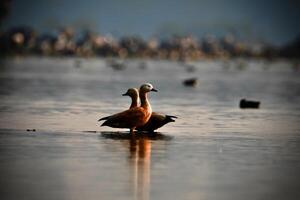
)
(33, 130)
(191, 82)
(249, 104)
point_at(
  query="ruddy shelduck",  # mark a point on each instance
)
(156, 120)
(133, 117)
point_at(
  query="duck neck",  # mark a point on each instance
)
(134, 102)
(144, 102)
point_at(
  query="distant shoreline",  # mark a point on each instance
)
(23, 41)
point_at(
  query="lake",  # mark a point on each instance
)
(214, 150)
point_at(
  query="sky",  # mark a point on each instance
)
(272, 21)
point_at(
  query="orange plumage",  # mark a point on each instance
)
(131, 118)
(156, 120)
(134, 117)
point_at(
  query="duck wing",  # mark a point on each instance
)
(126, 119)
(156, 121)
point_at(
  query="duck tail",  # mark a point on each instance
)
(103, 118)
(104, 123)
(171, 118)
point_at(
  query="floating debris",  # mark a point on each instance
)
(191, 82)
(249, 104)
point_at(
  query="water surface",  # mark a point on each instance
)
(214, 150)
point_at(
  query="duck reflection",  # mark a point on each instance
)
(140, 160)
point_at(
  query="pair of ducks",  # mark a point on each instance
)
(138, 117)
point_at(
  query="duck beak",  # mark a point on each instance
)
(125, 94)
(154, 90)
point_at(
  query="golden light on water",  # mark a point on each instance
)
(140, 160)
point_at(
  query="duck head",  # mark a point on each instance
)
(132, 92)
(147, 87)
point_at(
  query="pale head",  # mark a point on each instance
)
(132, 92)
(147, 87)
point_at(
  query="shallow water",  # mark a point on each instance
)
(214, 150)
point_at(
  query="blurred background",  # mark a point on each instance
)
(167, 29)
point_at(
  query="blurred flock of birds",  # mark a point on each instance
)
(66, 42)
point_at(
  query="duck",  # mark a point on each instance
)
(157, 120)
(133, 117)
